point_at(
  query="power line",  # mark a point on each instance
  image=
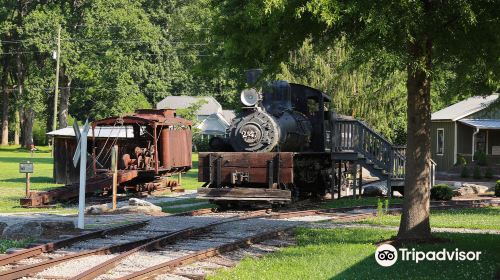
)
(128, 53)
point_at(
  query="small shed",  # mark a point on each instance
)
(64, 146)
(465, 128)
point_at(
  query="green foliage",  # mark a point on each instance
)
(201, 144)
(116, 55)
(6, 244)
(497, 189)
(359, 92)
(39, 137)
(476, 174)
(386, 205)
(380, 210)
(441, 192)
(481, 158)
(351, 202)
(190, 112)
(465, 172)
(461, 161)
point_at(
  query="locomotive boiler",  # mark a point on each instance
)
(275, 150)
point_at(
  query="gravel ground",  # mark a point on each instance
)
(218, 235)
(221, 234)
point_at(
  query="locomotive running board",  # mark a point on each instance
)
(244, 194)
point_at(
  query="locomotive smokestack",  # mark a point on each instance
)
(253, 76)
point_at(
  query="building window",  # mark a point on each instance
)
(440, 141)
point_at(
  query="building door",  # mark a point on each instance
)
(480, 141)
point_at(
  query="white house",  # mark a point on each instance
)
(213, 120)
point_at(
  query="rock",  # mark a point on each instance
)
(56, 227)
(478, 189)
(97, 209)
(23, 230)
(3, 226)
(139, 202)
(148, 210)
(374, 190)
(470, 189)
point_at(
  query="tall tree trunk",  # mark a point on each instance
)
(415, 217)
(64, 101)
(5, 108)
(27, 127)
(17, 127)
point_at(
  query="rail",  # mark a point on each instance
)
(354, 135)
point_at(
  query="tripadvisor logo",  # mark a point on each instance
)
(387, 255)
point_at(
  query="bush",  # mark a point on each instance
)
(441, 192)
(480, 158)
(489, 173)
(476, 174)
(465, 172)
(497, 189)
(461, 161)
(200, 145)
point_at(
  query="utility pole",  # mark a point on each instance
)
(56, 92)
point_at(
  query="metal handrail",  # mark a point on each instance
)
(355, 135)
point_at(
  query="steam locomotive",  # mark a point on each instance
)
(276, 150)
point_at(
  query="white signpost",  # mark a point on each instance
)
(81, 149)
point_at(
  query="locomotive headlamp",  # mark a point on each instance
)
(249, 97)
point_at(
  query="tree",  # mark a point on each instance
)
(355, 91)
(421, 38)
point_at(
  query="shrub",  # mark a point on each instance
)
(481, 158)
(489, 173)
(465, 172)
(461, 161)
(497, 189)
(200, 145)
(441, 192)
(380, 210)
(476, 174)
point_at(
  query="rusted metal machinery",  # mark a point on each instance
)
(152, 146)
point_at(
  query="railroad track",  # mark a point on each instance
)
(144, 250)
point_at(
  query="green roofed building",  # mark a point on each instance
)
(465, 128)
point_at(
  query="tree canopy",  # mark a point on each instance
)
(453, 42)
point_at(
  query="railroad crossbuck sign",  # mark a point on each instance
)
(86, 127)
(81, 149)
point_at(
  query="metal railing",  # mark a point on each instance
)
(354, 135)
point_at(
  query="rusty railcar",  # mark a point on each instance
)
(152, 146)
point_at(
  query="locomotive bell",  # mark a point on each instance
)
(249, 97)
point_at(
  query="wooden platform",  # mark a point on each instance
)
(244, 194)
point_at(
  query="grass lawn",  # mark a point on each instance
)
(475, 218)
(351, 202)
(190, 179)
(349, 254)
(13, 183)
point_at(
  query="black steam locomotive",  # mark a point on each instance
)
(275, 151)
